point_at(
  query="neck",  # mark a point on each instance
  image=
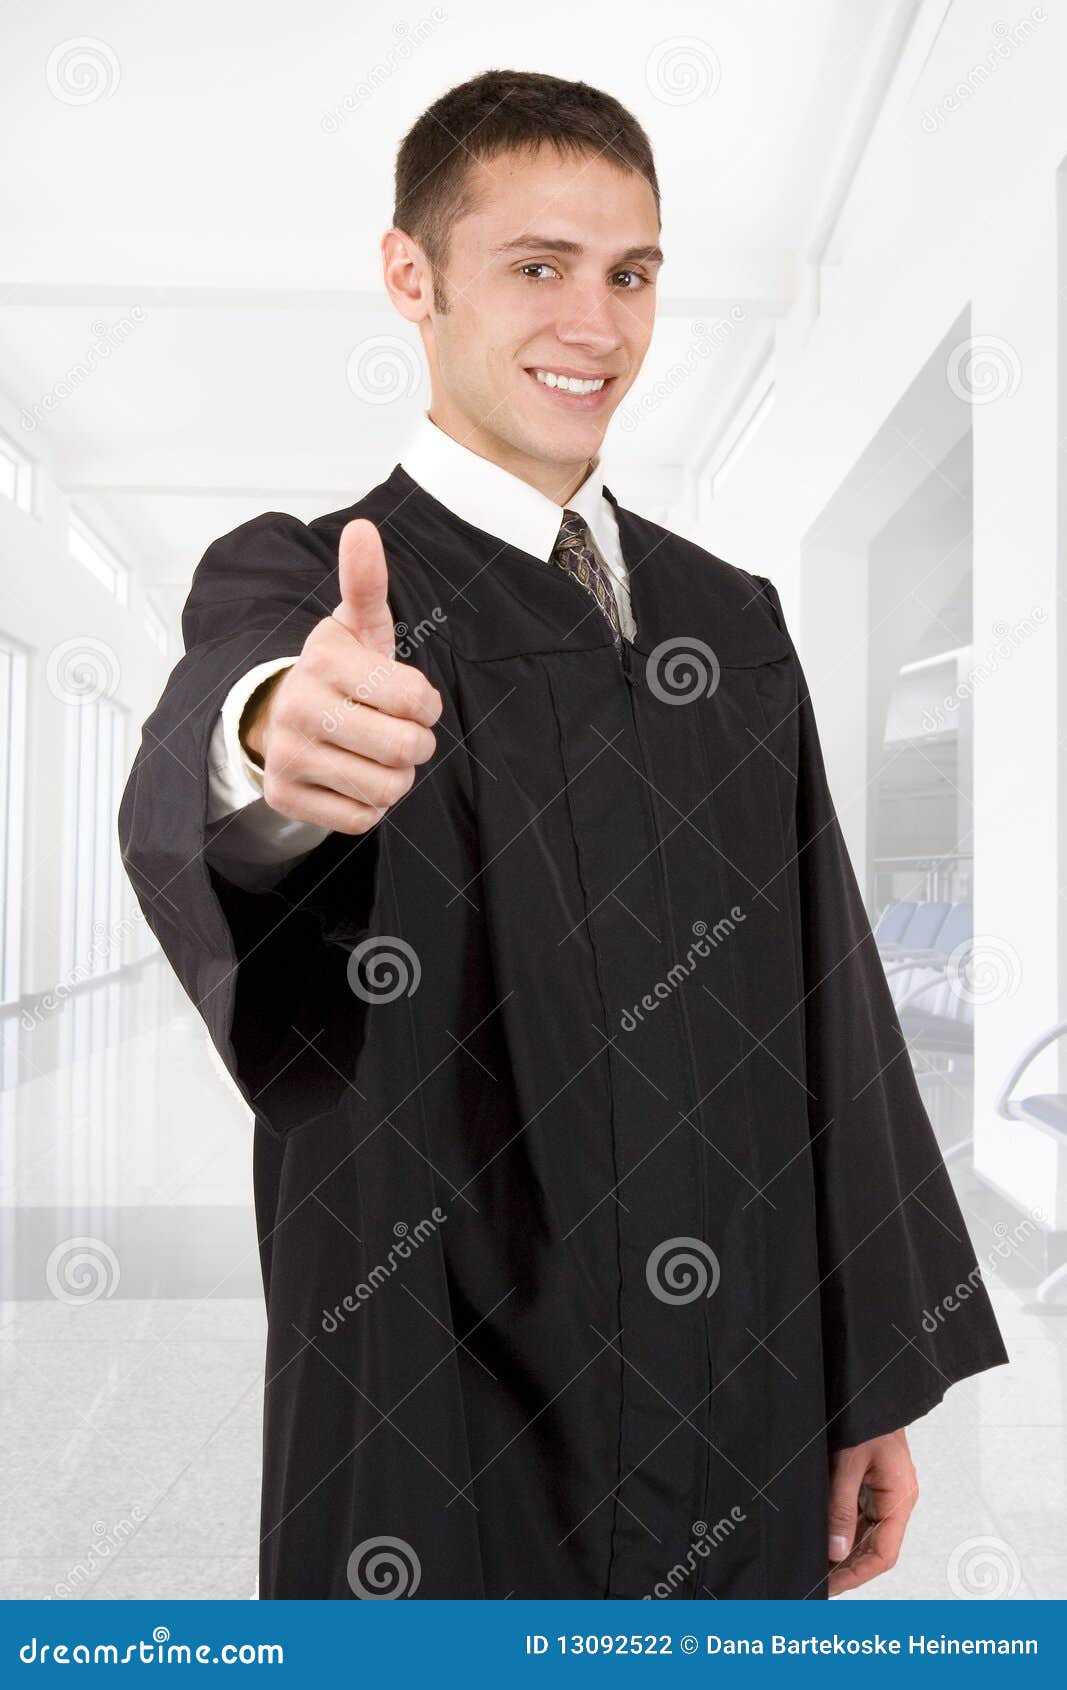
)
(558, 482)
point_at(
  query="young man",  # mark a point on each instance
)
(605, 1239)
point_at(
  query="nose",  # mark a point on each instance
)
(590, 317)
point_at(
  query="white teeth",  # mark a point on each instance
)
(569, 384)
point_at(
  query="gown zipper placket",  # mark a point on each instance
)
(624, 650)
(626, 658)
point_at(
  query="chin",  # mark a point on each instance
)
(566, 443)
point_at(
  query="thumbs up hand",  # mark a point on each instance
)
(341, 732)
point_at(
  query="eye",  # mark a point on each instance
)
(636, 276)
(536, 264)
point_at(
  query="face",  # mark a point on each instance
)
(550, 283)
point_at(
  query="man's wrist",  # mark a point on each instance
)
(254, 716)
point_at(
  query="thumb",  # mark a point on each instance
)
(364, 572)
(845, 1479)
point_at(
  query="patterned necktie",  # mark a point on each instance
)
(575, 555)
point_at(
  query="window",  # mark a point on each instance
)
(12, 812)
(155, 629)
(93, 925)
(90, 551)
(16, 475)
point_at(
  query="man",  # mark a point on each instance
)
(605, 1239)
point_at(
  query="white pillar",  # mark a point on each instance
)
(1017, 370)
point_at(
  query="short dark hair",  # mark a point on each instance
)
(496, 112)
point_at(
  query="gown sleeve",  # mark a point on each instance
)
(264, 968)
(904, 1312)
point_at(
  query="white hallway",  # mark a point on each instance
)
(857, 387)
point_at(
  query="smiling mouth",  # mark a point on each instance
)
(571, 388)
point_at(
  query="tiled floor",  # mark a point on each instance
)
(130, 1417)
(130, 1447)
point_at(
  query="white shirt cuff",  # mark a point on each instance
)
(247, 840)
(234, 779)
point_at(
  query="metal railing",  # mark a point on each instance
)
(948, 878)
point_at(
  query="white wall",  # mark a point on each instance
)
(957, 236)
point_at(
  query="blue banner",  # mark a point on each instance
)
(497, 1643)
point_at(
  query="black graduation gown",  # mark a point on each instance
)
(592, 1225)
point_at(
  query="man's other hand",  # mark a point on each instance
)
(873, 1489)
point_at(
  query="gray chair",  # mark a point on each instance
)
(921, 955)
(893, 921)
(1048, 1109)
(935, 1014)
(917, 946)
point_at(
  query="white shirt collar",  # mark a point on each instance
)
(491, 498)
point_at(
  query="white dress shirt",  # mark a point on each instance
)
(247, 840)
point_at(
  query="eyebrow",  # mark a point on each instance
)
(574, 249)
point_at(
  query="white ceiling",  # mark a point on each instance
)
(220, 198)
